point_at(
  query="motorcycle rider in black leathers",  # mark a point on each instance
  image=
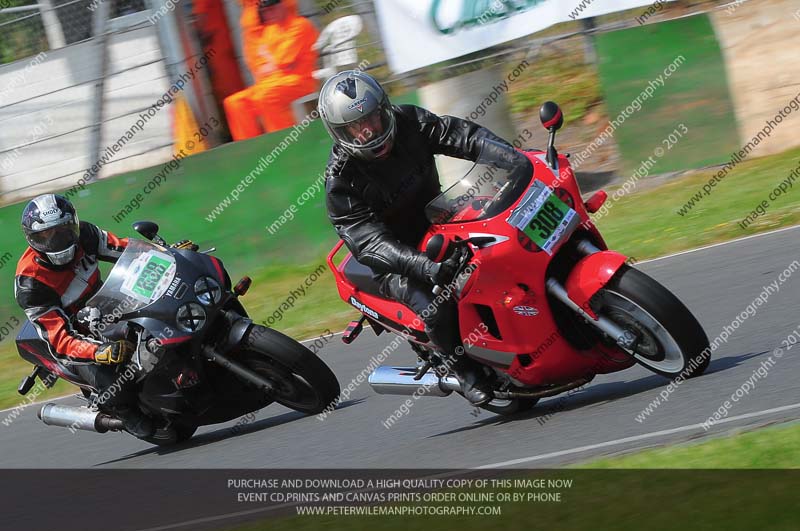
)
(380, 175)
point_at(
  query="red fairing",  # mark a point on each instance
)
(565, 186)
(590, 275)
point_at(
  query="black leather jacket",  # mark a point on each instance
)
(377, 207)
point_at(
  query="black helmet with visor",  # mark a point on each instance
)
(51, 228)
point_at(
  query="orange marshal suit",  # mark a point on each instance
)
(281, 59)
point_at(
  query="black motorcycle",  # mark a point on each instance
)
(199, 359)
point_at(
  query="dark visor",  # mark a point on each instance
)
(55, 239)
(368, 129)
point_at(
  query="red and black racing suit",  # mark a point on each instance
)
(51, 296)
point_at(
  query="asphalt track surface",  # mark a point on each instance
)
(716, 283)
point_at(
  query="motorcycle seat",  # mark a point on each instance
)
(361, 276)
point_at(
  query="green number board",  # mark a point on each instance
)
(544, 218)
(150, 276)
(546, 222)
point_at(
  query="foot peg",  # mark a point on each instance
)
(26, 385)
(353, 330)
(28, 382)
(422, 370)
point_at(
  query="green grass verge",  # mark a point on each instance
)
(773, 447)
(645, 223)
(182, 205)
(559, 74)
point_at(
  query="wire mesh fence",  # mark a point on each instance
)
(73, 73)
(23, 32)
(29, 28)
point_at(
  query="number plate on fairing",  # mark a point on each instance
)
(544, 218)
(149, 276)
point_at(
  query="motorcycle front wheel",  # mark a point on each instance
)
(301, 380)
(671, 341)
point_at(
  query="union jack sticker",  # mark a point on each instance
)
(526, 311)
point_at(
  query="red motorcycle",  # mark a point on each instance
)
(543, 305)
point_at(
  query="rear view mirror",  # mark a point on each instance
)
(437, 248)
(551, 116)
(148, 229)
(597, 200)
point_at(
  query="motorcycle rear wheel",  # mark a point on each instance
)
(671, 341)
(510, 407)
(177, 434)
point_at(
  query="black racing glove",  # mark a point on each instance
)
(114, 353)
(442, 273)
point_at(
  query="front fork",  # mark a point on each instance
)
(605, 265)
(238, 329)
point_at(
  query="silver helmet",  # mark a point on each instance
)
(51, 227)
(358, 115)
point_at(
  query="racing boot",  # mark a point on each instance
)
(443, 331)
(474, 384)
(134, 421)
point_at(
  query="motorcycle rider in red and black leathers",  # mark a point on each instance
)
(380, 175)
(55, 277)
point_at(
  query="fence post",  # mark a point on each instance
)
(199, 94)
(100, 33)
(52, 26)
(589, 52)
(177, 46)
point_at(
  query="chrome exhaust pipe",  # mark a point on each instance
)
(386, 380)
(78, 418)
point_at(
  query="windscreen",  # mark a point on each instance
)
(497, 179)
(140, 277)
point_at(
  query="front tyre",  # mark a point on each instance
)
(301, 380)
(671, 341)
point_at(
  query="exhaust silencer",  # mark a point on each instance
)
(78, 418)
(386, 380)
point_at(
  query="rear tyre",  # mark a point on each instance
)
(672, 342)
(302, 381)
(177, 433)
(510, 407)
